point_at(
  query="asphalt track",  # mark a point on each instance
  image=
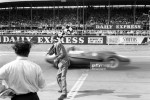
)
(131, 82)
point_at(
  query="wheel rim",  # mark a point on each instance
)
(113, 63)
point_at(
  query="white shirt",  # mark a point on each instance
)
(22, 75)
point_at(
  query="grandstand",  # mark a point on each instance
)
(47, 17)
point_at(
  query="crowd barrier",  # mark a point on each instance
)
(79, 40)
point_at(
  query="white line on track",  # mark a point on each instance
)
(76, 87)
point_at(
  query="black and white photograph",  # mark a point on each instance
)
(74, 49)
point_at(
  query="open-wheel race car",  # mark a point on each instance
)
(80, 58)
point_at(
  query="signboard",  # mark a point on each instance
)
(47, 39)
(96, 40)
(126, 40)
(118, 27)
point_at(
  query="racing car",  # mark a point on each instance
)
(80, 58)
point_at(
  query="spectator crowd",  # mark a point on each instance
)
(79, 19)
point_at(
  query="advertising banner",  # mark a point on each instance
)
(118, 27)
(47, 39)
(96, 40)
(126, 40)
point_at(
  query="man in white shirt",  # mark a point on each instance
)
(24, 77)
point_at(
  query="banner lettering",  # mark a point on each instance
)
(126, 40)
(118, 27)
(47, 39)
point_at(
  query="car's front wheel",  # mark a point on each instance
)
(113, 63)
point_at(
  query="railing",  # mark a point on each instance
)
(78, 32)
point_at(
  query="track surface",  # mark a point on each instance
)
(127, 83)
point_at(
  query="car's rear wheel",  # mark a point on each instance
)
(113, 63)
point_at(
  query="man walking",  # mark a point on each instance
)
(62, 61)
(22, 76)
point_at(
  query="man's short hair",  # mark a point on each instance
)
(22, 48)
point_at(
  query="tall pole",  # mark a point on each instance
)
(54, 16)
(109, 12)
(77, 14)
(149, 20)
(31, 17)
(134, 11)
(9, 15)
(83, 16)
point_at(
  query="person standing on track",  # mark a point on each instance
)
(22, 76)
(62, 62)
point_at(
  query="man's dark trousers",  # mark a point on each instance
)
(29, 96)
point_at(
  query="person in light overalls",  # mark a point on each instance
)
(62, 62)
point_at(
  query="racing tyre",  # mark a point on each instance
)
(113, 63)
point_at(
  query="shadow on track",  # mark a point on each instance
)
(116, 69)
(78, 67)
(93, 92)
(125, 68)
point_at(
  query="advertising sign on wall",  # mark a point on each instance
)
(126, 39)
(118, 27)
(96, 40)
(47, 39)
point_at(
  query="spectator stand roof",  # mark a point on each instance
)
(28, 3)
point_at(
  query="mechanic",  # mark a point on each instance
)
(23, 77)
(63, 62)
